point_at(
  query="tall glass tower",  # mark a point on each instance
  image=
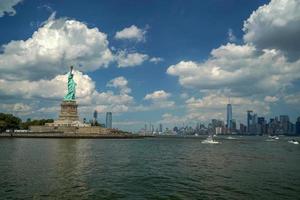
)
(229, 116)
(108, 120)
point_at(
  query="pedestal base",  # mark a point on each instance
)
(68, 116)
(68, 111)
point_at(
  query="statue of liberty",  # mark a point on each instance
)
(70, 96)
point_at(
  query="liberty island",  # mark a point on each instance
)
(68, 123)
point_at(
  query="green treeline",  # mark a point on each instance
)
(8, 121)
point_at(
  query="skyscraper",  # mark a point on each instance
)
(95, 116)
(229, 116)
(285, 124)
(108, 120)
(262, 127)
(160, 128)
(249, 120)
(298, 126)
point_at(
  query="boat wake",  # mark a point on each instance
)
(270, 140)
(231, 138)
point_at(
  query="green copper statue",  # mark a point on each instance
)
(70, 96)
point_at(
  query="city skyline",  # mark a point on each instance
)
(153, 62)
(255, 125)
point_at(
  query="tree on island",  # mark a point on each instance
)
(8, 121)
(11, 122)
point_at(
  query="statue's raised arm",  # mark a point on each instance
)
(70, 96)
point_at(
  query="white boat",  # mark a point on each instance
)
(274, 137)
(293, 141)
(210, 140)
(231, 138)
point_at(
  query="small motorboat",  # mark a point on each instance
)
(210, 140)
(274, 137)
(293, 141)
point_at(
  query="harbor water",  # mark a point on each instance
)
(151, 168)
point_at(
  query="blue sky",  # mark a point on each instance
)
(169, 62)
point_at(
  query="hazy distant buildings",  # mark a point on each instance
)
(218, 126)
(108, 120)
(152, 128)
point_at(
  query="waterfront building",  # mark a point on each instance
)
(243, 129)
(218, 130)
(233, 126)
(108, 120)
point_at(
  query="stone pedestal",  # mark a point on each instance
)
(68, 111)
(68, 116)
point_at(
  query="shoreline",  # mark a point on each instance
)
(71, 136)
(108, 136)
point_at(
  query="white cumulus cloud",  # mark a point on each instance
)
(275, 25)
(131, 33)
(157, 95)
(125, 59)
(120, 83)
(241, 68)
(158, 99)
(56, 45)
(156, 59)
